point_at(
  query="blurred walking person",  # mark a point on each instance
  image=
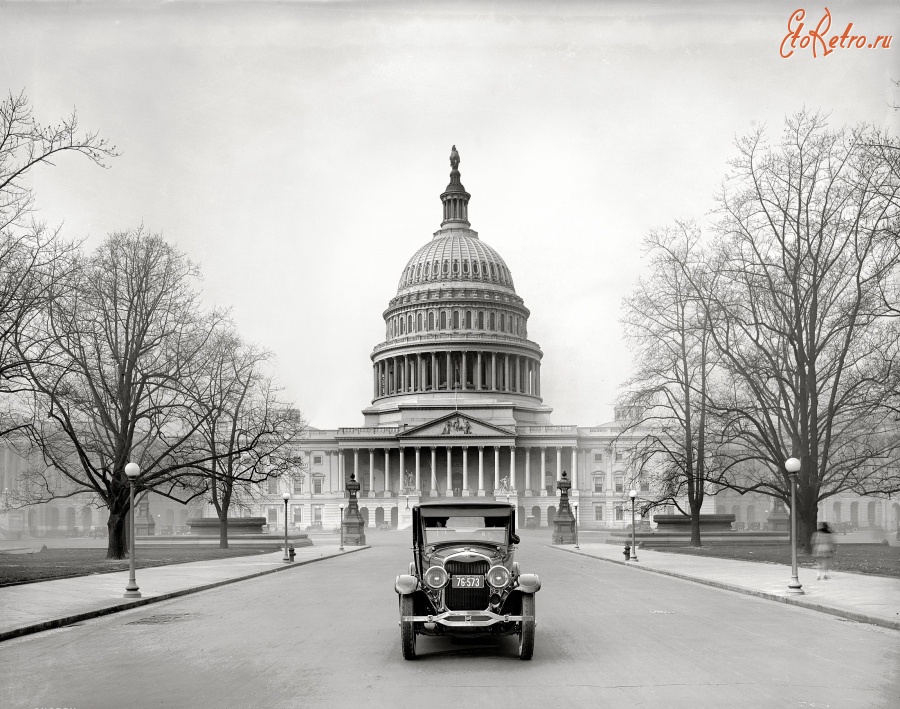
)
(823, 549)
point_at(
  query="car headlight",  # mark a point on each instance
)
(498, 576)
(436, 577)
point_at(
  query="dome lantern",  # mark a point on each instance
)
(455, 197)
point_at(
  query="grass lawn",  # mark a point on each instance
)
(63, 563)
(877, 559)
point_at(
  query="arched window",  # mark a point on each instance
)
(475, 268)
(446, 267)
(443, 320)
(502, 322)
(456, 320)
(468, 320)
(431, 320)
(481, 320)
(409, 323)
(455, 267)
(402, 327)
(419, 322)
(465, 265)
(493, 321)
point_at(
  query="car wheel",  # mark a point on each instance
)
(526, 631)
(407, 629)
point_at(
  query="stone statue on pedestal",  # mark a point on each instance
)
(354, 524)
(564, 522)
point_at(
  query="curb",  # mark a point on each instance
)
(790, 600)
(68, 620)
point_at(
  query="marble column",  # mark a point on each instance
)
(558, 463)
(463, 369)
(418, 469)
(527, 470)
(371, 472)
(387, 470)
(574, 474)
(449, 472)
(402, 469)
(542, 484)
(481, 471)
(512, 468)
(449, 375)
(356, 464)
(433, 491)
(496, 469)
(478, 370)
(465, 453)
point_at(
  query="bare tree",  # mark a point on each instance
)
(112, 368)
(807, 247)
(244, 431)
(33, 258)
(665, 322)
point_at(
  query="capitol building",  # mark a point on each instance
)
(456, 407)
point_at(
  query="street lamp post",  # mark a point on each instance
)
(342, 529)
(132, 470)
(792, 465)
(632, 495)
(286, 496)
(407, 501)
(576, 527)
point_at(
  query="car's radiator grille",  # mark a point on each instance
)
(466, 599)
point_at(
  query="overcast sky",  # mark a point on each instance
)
(297, 151)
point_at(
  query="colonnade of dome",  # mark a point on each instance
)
(465, 370)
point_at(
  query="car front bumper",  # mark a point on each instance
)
(464, 619)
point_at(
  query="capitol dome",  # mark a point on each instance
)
(456, 324)
(456, 256)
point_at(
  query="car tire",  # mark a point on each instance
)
(407, 629)
(527, 627)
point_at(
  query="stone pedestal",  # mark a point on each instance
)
(564, 522)
(354, 525)
(143, 522)
(778, 520)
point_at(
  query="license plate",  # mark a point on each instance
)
(468, 582)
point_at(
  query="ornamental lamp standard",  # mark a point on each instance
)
(576, 527)
(407, 501)
(632, 495)
(286, 496)
(132, 470)
(341, 548)
(792, 466)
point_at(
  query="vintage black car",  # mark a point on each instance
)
(463, 580)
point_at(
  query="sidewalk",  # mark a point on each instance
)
(860, 597)
(33, 607)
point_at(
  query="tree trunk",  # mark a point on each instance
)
(117, 526)
(695, 529)
(806, 526)
(223, 530)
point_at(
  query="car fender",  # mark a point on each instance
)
(528, 583)
(406, 584)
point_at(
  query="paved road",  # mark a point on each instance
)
(326, 635)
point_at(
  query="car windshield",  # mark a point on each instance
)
(468, 528)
